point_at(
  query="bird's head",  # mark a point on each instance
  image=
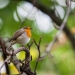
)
(28, 31)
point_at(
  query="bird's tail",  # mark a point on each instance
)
(12, 43)
(10, 39)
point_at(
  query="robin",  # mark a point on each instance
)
(22, 36)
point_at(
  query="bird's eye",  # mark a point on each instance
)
(26, 28)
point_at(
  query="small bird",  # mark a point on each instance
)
(22, 36)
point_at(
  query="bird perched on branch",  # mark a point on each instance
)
(22, 36)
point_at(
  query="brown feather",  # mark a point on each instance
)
(17, 34)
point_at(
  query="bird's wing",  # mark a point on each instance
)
(17, 34)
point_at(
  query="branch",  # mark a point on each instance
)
(29, 45)
(39, 56)
(49, 47)
(3, 49)
(34, 2)
(57, 20)
(8, 58)
(26, 66)
(73, 0)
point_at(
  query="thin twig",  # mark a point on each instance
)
(73, 0)
(34, 2)
(55, 8)
(49, 47)
(29, 45)
(38, 48)
(8, 58)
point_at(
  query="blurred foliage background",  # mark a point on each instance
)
(15, 12)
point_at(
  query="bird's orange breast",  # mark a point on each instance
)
(28, 32)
